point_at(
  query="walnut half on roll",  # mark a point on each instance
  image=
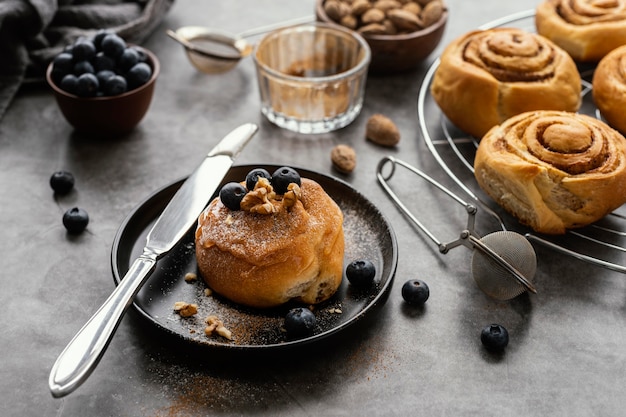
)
(553, 170)
(486, 77)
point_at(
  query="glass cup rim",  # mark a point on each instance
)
(356, 69)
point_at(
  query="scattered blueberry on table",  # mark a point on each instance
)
(62, 182)
(75, 220)
(103, 65)
(415, 292)
(494, 337)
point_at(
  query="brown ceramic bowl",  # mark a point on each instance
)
(107, 116)
(397, 53)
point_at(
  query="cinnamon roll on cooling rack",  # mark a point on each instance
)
(586, 29)
(609, 88)
(553, 170)
(486, 77)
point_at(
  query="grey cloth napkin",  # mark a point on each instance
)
(32, 32)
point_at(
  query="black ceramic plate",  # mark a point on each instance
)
(368, 235)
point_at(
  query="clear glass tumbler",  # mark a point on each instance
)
(312, 76)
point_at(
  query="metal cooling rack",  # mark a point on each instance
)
(602, 244)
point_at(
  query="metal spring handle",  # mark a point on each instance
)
(468, 237)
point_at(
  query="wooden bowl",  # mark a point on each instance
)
(397, 53)
(107, 116)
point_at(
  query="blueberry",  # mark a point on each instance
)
(75, 220)
(83, 67)
(112, 45)
(87, 85)
(103, 62)
(141, 54)
(69, 83)
(83, 50)
(254, 175)
(415, 292)
(114, 86)
(62, 182)
(282, 177)
(127, 60)
(231, 195)
(494, 337)
(99, 36)
(64, 62)
(361, 272)
(103, 76)
(299, 322)
(138, 75)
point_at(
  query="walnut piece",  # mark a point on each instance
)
(185, 309)
(190, 277)
(260, 199)
(215, 326)
(292, 195)
(264, 200)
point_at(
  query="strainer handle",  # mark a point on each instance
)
(389, 162)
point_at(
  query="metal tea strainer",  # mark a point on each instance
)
(503, 262)
(213, 51)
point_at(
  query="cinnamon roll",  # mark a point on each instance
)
(586, 29)
(486, 77)
(275, 248)
(609, 88)
(553, 170)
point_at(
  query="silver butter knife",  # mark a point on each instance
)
(84, 351)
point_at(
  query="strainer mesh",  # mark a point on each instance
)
(493, 279)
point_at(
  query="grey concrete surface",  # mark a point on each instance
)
(566, 355)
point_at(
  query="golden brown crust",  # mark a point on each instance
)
(609, 88)
(486, 77)
(553, 170)
(587, 30)
(263, 260)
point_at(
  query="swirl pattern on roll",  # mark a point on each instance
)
(553, 170)
(572, 144)
(512, 55)
(586, 29)
(486, 77)
(585, 12)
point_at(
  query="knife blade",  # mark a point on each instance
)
(84, 351)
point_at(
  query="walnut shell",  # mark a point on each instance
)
(343, 158)
(382, 130)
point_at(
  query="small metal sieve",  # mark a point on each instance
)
(504, 263)
(213, 51)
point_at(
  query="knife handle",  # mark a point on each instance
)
(84, 351)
